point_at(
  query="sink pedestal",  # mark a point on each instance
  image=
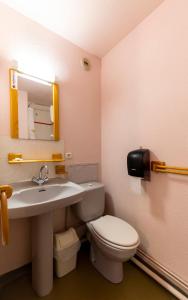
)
(42, 254)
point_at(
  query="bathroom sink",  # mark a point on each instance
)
(37, 200)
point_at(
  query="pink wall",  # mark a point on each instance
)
(29, 42)
(145, 103)
(79, 90)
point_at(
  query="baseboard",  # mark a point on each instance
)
(13, 275)
(167, 279)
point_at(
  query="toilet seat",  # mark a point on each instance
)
(114, 232)
(110, 245)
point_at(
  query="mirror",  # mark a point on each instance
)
(34, 107)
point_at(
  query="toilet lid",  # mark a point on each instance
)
(115, 231)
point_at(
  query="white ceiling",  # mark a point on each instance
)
(94, 25)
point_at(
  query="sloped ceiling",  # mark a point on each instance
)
(94, 25)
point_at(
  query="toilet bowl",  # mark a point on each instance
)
(113, 241)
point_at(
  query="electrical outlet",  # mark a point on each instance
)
(68, 155)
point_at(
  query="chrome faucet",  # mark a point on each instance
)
(43, 176)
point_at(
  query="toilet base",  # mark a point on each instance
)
(110, 269)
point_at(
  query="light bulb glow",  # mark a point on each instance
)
(30, 77)
(35, 63)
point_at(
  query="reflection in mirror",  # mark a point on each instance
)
(36, 118)
(35, 107)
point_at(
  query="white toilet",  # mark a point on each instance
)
(113, 241)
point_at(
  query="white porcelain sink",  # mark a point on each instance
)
(38, 200)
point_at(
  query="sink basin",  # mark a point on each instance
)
(37, 200)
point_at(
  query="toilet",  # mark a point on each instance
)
(113, 241)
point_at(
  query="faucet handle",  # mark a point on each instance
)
(35, 179)
(45, 179)
(39, 180)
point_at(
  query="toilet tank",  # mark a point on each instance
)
(92, 205)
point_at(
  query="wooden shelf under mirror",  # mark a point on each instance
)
(17, 158)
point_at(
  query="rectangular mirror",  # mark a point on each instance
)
(34, 107)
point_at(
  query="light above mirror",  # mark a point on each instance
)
(34, 79)
(34, 107)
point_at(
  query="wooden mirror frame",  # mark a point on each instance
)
(14, 128)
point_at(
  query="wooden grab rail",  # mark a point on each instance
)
(159, 166)
(5, 193)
